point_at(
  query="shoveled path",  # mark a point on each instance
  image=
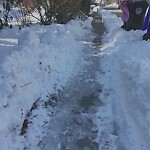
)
(72, 126)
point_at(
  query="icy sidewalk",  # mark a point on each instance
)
(72, 126)
(123, 120)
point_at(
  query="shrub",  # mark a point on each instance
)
(60, 11)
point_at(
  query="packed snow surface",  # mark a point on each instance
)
(123, 119)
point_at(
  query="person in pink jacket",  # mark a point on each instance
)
(125, 11)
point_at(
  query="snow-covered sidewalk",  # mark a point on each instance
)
(39, 61)
(124, 118)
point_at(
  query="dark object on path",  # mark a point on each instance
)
(146, 26)
(1, 24)
(137, 12)
(146, 37)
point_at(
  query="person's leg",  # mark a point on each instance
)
(146, 36)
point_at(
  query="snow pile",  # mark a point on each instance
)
(44, 60)
(113, 5)
(125, 78)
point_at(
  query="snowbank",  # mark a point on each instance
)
(44, 60)
(113, 5)
(125, 65)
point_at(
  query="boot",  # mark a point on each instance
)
(146, 36)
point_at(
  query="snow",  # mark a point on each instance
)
(123, 120)
(35, 61)
(112, 5)
(40, 60)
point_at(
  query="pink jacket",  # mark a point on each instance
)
(124, 8)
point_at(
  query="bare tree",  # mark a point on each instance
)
(60, 11)
(6, 11)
